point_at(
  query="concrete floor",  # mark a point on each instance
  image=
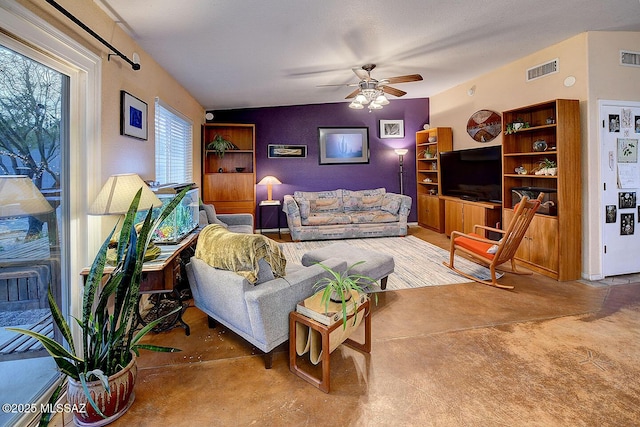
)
(546, 353)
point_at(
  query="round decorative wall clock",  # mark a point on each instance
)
(484, 125)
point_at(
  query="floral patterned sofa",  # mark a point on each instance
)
(345, 214)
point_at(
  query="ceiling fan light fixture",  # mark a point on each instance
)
(356, 105)
(361, 99)
(375, 106)
(382, 100)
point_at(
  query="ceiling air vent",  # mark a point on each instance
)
(631, 59)
(542, 70)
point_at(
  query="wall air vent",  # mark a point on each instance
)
(630, 59)
(542, 70)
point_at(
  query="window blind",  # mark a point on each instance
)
(174, 138)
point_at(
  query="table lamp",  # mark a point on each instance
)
(118, 192)
(19, 197)
(269, 181)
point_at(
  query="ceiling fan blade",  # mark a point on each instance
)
(352, 94)
(341, 85)
(404, 79)
(393, 91)
(361, 73)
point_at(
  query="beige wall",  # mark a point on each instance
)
(592, 58)
(119, 154)
(505, 88)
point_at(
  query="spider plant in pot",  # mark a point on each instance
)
(337, 288)
(99, 365)
(221, 145)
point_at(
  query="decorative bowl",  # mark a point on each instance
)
(540, 145)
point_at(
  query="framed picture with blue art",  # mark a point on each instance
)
(133, 116)
(343, 145)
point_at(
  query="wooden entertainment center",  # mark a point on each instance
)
(549, 131)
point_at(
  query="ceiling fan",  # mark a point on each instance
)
(371, 91)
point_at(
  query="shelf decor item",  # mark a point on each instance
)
(221, 145)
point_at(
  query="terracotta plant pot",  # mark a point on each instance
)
(113, 404)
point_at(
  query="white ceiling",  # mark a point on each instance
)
(256, 53)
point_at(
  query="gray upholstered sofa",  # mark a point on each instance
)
(258, 312)
(343, 214)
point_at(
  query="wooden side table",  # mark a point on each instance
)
(323, 383)
(266, 204)
(160, 279)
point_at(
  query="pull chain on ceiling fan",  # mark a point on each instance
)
(372, 92)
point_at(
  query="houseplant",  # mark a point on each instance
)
(221, 145)
(110, 340)
(338, 287)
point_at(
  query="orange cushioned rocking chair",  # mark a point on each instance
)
(493, 253)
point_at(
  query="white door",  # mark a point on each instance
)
(620, 133)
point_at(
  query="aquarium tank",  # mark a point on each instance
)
(184, 218)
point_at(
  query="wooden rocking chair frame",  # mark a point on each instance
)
(475, 246)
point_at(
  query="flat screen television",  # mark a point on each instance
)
(474, 174)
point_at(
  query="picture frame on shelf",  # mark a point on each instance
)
(343, 145)
(391, 129)
(278, 151)
(133, 116)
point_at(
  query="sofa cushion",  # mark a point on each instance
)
(238, 252)
(362, 200)
(321, 201)
(391, 204)
(367, 217)
(326, 219)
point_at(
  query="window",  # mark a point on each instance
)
(174, 159)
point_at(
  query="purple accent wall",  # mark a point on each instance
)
(298, 125)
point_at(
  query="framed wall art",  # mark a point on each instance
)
(133, 116)
(484, 125)
(277, 151)
(627, 150)
(627, 200)
(626, 224)
(343, 145)
(391, 129)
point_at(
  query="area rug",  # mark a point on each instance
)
(418, 263)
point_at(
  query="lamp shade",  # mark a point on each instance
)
(269, 181)
(118, 192)
(20, 197)
(401, 151)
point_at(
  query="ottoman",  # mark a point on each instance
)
(376, 265)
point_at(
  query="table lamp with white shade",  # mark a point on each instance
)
(269, 181)
(19, 197)
(118, 192)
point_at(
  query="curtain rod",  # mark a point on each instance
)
(66, 13)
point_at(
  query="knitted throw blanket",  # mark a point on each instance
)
(238, 252)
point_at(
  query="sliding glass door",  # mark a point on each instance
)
(34, 220)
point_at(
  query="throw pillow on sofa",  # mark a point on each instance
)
(391, 204)
(363, 200)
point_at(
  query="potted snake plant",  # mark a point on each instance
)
(100, 367)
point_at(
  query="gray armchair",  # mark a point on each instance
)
(238, 223)
(258, 313)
